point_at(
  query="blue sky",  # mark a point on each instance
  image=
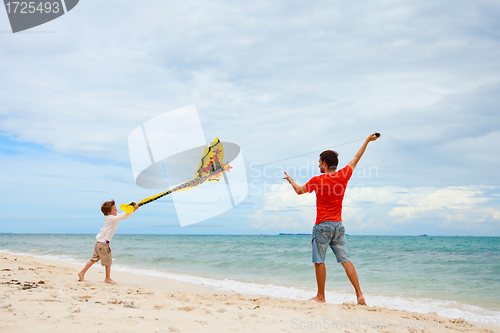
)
(277, 78)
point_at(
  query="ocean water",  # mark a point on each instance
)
(453, 276)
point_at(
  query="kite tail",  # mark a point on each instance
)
(129, 208)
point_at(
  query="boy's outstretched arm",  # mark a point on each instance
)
(298, 189)
(361, 150)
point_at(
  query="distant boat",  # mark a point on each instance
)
(424, 235)
(283, 234)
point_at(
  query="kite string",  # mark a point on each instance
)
(315, 151)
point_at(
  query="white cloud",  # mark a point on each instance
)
(284, 210)
(381, 208)
(440, 206)
(252, 68)
(279, 79)
(452, 204)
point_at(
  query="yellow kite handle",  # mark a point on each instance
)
(128, 208)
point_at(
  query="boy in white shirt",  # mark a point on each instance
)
(102, 250)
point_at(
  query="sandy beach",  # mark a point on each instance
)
(39, 295)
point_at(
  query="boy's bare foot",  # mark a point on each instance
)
(109, 281)
(361, 300)
(317, 299)
(80, 275)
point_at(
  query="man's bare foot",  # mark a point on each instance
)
(361, 300)
(109, 281)
(80, 275)
(317, 299)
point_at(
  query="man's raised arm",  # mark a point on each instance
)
(361, 150)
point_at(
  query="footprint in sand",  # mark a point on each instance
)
(186, 308)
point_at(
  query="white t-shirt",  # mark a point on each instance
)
(110, 226)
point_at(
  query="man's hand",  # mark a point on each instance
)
(373, 137)
(298, 189)
(136, 207)
(287, 177)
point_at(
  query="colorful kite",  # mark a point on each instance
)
(210, 169)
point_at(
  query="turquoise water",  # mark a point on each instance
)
(451, 271)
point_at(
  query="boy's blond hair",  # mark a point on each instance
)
(106, 207)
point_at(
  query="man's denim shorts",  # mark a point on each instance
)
(330, 234)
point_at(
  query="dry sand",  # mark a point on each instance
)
(39, 295)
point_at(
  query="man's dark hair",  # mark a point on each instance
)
(330, 157)
(106, 207)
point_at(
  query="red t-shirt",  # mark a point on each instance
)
(330, 191)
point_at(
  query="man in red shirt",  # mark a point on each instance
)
(328, 230)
